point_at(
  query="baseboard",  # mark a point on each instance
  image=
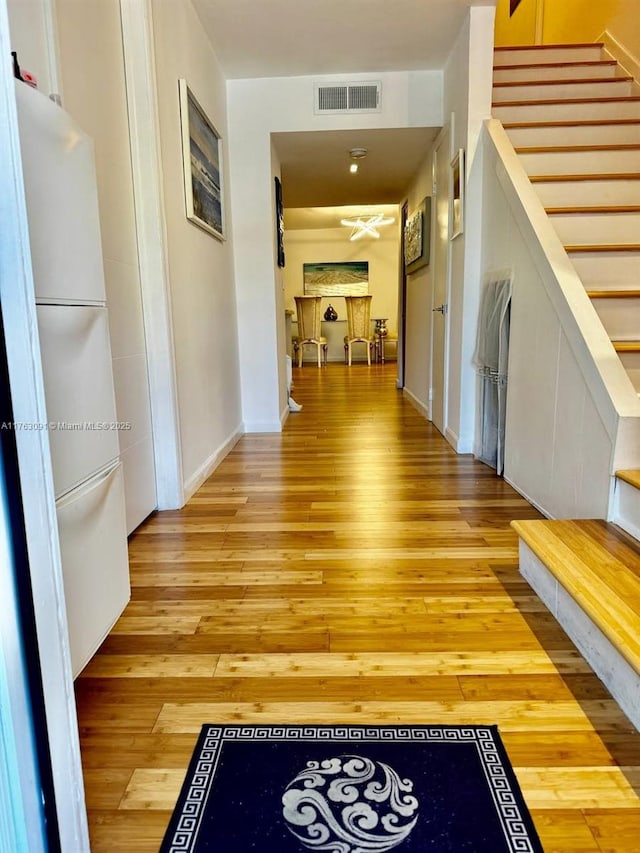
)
(527, 497)
(284, 414)
(452, 438)
(208, 467)
(259, 426)
(417, 404)
(628, 61)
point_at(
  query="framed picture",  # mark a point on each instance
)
(456, 196)
(279, 223)
(350, 278)
(417, 237)
(202, 163)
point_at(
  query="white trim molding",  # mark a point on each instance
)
(208, 467)
(144, 134)
(36, 480)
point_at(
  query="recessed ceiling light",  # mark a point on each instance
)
(358, 153)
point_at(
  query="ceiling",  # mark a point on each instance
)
(291, 38)
(315, 166)
(285, 38)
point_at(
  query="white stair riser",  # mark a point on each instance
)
(590, 192)
(619, 678)
(573, 71)
(599, 270)
(597, 228)
(619, 317)
(581, 162)
(573, 53)
(598, 134)
(626, 512)
(616, 88)
(631, 363)
(568, 112)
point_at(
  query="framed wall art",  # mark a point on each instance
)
(279, 223)
(350, 278)
(456, 196)
(417, 237)
(202, 163)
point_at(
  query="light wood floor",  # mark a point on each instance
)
(352, 569)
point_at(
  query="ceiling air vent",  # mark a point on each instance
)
(347, 98)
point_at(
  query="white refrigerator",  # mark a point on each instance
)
(66, 252)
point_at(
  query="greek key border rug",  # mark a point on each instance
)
(350, 789)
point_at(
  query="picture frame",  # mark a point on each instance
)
(279, 223)
(417, 237)
(330, 278)
(456, 195)
(202, 165)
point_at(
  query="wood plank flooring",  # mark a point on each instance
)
(351, 569)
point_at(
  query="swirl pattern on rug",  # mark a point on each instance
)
(350, 804)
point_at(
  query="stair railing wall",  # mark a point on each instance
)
(573, 416)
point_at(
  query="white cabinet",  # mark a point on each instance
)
(76, 363)
(93, 545)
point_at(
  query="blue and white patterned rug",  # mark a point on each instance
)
(350, 789)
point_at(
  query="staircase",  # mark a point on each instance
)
(573, 117)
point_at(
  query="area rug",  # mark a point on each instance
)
(350, 789)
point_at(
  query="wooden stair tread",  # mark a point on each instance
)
(613, 294)
(631, 476)
(587, 122)
(579, 63)
(626, 346)
(552, 101)
(603, 247)
(505, 84)
(605, 146)
(613, 208)
(543, 47)
(600, 568)
(599, 176)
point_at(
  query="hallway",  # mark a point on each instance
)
(351, 569)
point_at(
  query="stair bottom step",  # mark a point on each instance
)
(620, 679)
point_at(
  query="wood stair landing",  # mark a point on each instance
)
(587, 572)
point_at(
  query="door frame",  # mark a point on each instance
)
(447, 129)
(402, 299)
(36, 480)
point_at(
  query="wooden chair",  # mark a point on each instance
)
(358, 325)
(309, 328)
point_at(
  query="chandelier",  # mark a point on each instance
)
(362, 226)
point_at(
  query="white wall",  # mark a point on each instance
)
(92, 71)
(200, 266)
(418, 326)
(570, 404)
(467, 97)
(33, 37)
(258, 108)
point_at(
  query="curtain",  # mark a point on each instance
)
(491, 359)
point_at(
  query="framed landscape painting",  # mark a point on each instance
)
(202, 163)
(350, 278)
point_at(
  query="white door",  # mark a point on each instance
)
(440, 261)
